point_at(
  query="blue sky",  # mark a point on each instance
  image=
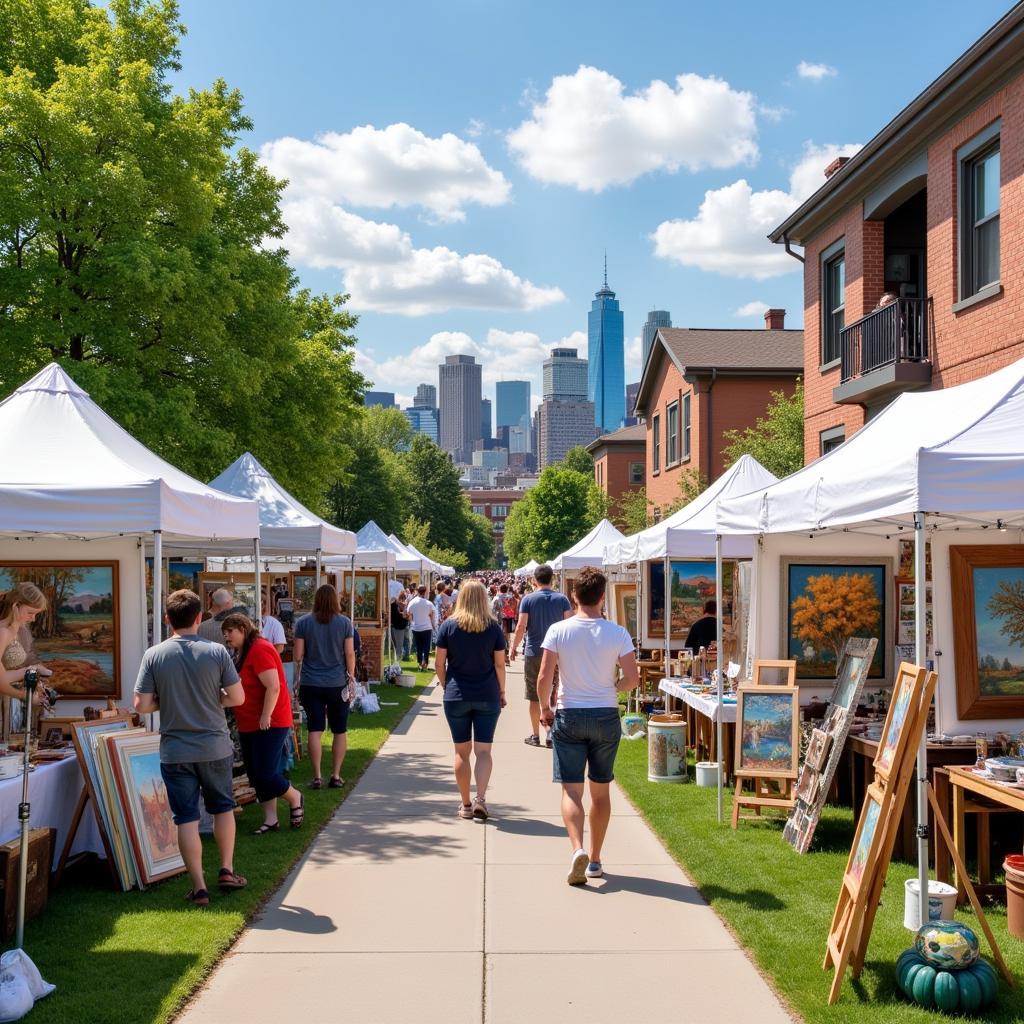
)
(990, 637)
(460, 166)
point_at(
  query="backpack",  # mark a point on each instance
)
(508, 606)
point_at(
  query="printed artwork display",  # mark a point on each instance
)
(906, 592)
(693, 583)
(767, 733)
(626, 609)
(77, 637)
(826, 604)
(906, 560)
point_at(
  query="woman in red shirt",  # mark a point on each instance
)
(264, 720)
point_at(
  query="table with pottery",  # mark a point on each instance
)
(700, 705)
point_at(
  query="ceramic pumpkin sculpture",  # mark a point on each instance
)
(944, 970)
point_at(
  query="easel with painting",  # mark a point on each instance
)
(868, 863)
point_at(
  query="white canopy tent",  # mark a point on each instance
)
(589, 550)
(944, 460)
(426, 564)
(527, 570)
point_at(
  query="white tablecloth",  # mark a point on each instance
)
(53, 791)
(706, 705)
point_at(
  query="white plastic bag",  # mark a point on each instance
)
(21, 985)
(369, 704)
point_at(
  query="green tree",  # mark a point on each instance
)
(435, 496)
(388, 428)
(579, 459)
(480, 546)
(632, 511)
(416, 532)
(134, 249)
(777, 439)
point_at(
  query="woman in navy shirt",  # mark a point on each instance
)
(470, 662)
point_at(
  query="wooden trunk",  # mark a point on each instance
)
(40, 857)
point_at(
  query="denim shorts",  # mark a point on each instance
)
(585, 738)
(184, 783)
(472, 719)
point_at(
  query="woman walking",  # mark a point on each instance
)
(470, 663)
(264, 720)
(325, 666)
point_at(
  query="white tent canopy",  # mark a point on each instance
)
(589, 550)
(286, 526)
(527, 570)
(690, 531)
(428, 564)
(372, 538)
(956, 454)
(74, 472)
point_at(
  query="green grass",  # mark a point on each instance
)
(779, 904)
(134, 958)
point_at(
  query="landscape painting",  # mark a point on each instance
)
(828, 603)
(999, 620)
(865, 838)
(77, 636)
(625, 607)
(768, 723)
(366, 607)
(693, 583)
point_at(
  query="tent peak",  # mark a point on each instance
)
(53, 379)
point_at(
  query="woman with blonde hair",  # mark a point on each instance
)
(18, 608)
(470, 663)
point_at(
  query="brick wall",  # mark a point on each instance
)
(611, 469)
(669, 386)
(372, 638)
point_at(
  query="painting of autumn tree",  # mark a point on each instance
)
(828, 605)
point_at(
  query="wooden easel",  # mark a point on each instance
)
(787, 666)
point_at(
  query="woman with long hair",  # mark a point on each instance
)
(19, 607)
(325, 666)
(470, 663)
(264, 719)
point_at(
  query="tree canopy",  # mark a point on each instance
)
(777, 439)
(580, 459)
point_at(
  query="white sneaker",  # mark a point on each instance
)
(594, 869)
(578, 868)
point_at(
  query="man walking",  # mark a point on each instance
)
(538, 611)
(223, 602)
(587, 649)
(190, 682)
(424, 621)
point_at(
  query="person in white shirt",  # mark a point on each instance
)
(395, 587)
(424, 620)
(272, 630)
(588, 651)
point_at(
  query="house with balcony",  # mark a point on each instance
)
(911, 261)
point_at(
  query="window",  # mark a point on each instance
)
(832, 439)
(656, 446)
(686, 427)
(480, 510)
(499, 511)
(833, 306)
(979, 213)
(672, 434)
(636, 474)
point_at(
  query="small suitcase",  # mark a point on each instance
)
(37, 891)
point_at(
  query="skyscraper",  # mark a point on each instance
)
(565, 375)
(632, 393)
(655, 319)
(565, 418)
(605, 352)
(485, 419)
(423, 421)
(513, 398)
(382, 398)
(426, 397)
(459, 386)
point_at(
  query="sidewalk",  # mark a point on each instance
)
(401, 912)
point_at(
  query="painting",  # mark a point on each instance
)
(78, 636)
(906, 560)
(806, 789)
(901, 707)
(826, 604)
(367, 606)
(302, 589)
(817, 749)
(988, 629)
(858, 655)
(866, 831)
(906, 618)
(693, 583)
(625, 608)
(767, 737)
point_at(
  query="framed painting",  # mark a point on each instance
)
(625, 608)
(767, 733)
(906, 615)
(692, 584)
(863, 851)
(78, 636)
(902, 710)
(817, 749)
(988, 629)
(120, 844)
(806, 790)
(302, 590)
(367, 604)
(242, 586)
(858, 655)
(906, 560)
(147, 812)
(826, 604)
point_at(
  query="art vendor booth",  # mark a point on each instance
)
(80, 499)
(587, 551)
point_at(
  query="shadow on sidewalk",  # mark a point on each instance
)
(526, 826)
(288, 918)
(655, 888)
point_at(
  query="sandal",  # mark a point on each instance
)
(228, 880)
(266, 827)
(466, 811)
(295, 815)
(198, 897)
(316, 784)
(479, 810)
(335, 782)
(532, 741)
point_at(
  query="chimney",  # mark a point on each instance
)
(774, 319)
(835, 165)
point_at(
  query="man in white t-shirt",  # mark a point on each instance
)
(423, 621)
(272, 629)
(588, 651)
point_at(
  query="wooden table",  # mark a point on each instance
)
(992, 798)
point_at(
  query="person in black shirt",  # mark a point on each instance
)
(704, 632)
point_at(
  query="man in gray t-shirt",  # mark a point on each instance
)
(191, 681)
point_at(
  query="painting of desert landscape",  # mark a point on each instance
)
(999, 620)
(76, 637)
(693, 583)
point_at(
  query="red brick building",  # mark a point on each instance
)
(699, 383)
(930, 211)
(494, 505)
(620, 460)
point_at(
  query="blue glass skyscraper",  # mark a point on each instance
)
(606, 383)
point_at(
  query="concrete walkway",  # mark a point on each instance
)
(402, 913)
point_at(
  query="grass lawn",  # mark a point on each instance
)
(134, 958)
(779, 904)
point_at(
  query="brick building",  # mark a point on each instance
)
(620, 460)
(494, 505)
(931, 213)
(699, 383)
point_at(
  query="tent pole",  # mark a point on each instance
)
(259, 588)
(319, 566)
(667, 613)
(921, 654)
(158, 610)
(640, 624)
(142, 590)
(352, 595)
(718, 657)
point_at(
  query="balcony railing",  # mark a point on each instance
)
(897, 333)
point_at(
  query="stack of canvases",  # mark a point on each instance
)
(121, 768)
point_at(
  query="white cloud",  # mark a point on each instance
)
(729, 233)
(389, 167)
(752, 309)
(634, 358)
(475, 128)
(816, 72)
(589, 133)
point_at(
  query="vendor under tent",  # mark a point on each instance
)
(946, 467)
(76, 487)
(526, 570)
(590, 549)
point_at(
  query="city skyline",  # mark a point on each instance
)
(606, 380)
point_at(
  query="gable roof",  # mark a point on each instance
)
(699, 350)
(633, 435)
